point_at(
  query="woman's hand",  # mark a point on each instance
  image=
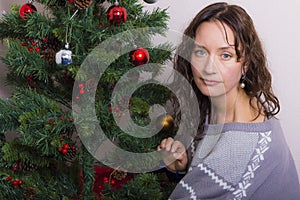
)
(174, 153)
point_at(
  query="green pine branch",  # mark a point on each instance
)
(40, 108)
(22, 63)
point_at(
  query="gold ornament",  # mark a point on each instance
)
(167, 123)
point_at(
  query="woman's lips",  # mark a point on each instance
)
(208, 82)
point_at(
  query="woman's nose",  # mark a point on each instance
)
(210, 66)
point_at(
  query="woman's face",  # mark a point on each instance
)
(214, 61)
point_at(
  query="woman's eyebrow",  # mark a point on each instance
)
(199, 46)
(227, 48)
(224, 48)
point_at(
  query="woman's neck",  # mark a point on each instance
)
(234, 107)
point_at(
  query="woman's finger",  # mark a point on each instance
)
(169, 143)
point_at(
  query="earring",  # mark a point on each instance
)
(242, 84)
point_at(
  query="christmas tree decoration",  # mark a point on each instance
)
(27, 9)
(38, 50)
(49, 48)
(26, 167)
(51, 121)
(20, 182)
(117, 108)
(66, 146)
(150, 1)
(9, 178)
(82, 4)
(24, 44)
(67, 150)
(45, 54)
(69, 153)
(80, 85)
(113, 177)
(29, 193)
(117, 14)
(81, 91)
(16, 183)
(119, 175)
(30, 78)
(64, 56)
(139, 56)
(64, 151)
(168, 123)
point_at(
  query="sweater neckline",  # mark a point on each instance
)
(240, 126)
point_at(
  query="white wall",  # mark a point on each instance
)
(278, 24)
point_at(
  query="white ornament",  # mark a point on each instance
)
(63, 57)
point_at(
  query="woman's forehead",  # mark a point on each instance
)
(214, 33)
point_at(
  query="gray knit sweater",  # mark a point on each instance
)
(240, 161)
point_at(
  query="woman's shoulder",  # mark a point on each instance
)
(247, 127)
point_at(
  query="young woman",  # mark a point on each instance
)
(240, 152)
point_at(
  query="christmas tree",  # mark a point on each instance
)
(71, 112)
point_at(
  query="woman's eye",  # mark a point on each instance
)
(226, 56)
(200, 52)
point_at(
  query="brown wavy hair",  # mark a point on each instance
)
(247, 44)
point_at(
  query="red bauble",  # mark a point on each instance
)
(117, 14)
(139, 57)
(27, 8)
